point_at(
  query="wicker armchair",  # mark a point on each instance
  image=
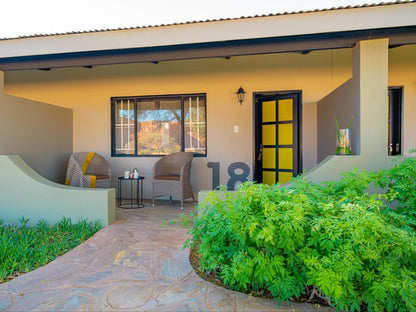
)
(98, 167)
(171, 176)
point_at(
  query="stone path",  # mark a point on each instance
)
(131, 265)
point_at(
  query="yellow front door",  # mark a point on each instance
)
(277, 134)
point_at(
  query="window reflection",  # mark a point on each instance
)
(159, 126)
(194, 111)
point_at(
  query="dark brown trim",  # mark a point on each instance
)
(302, 43)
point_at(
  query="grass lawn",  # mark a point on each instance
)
(24, 248)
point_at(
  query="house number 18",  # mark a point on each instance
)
(234, 177)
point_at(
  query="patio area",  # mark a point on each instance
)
(135, 264)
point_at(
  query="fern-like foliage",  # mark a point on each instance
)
(352, 242)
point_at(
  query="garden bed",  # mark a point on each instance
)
(337, 242)
(214, 278)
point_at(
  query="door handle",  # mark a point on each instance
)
(260, 153)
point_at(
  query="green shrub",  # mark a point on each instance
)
(336, 241)
(400, 182)
(24, 248)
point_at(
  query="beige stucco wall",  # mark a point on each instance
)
(88, 93)
(342, 103)
(310, 139)
(338, 105)
(40, 133)
(370, 83)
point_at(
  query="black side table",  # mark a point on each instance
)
(139, 193)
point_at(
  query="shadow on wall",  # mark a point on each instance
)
(40, 133)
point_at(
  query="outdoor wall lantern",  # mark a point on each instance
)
(240, 94)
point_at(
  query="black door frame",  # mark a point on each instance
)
(257, 133)
(395, 122)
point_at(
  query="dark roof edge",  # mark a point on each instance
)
(214, 20)
(301, 43)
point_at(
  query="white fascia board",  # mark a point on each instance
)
(384, 16)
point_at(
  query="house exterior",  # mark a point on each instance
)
(102, 90)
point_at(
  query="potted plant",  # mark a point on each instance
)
(343, 139)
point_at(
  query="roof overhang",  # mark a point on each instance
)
(302, 44)
(301, 32)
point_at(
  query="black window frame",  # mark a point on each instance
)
(135, 99)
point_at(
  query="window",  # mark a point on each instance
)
(158, 125)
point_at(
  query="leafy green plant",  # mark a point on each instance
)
(340, 241)
(400, 183)
(24, 248)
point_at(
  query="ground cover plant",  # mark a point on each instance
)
(351, 243)
(24, 248)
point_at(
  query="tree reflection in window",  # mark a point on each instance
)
(159, 126)
(156, 126)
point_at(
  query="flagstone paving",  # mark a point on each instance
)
(131, 265)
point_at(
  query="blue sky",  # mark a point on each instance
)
(28, 17)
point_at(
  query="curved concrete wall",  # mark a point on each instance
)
(23, 192)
